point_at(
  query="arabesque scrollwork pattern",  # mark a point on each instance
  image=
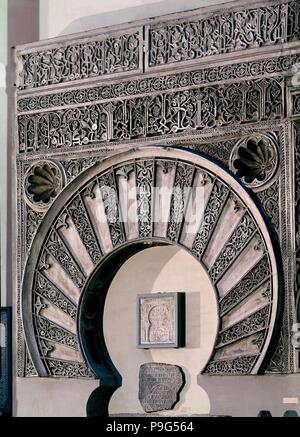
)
(212, 211)
(238, 240)
(297, 205)
(47, 329)
(280, 65)
(251, 281)
(144, 181)
(253, 323)
(143, 117)
(241, 365)
(33, 219)
(269, 198)
(110, 200)
(68, 369)
(220, 34)
(57, 248)
(166, 43)
(277, 364)
(182, 183)
(83, 225)
(115, 54)
(47, 290)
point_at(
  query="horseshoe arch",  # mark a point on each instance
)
(83, 235)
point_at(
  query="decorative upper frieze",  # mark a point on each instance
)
(162, 43)
(83, 60)
(231, 31)
(152, 116)
(147, 85)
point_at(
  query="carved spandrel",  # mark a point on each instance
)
(159, 386)
(269, 199)
(33, 219)
(297, 204)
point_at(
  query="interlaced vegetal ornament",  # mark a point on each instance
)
(43, 182)
(255, 160)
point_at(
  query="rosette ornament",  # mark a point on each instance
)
(255, 160)
(43, 183)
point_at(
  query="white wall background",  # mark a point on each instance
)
(3, 142)
(61, 17)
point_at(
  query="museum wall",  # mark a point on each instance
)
(63, 17)
(3, 133)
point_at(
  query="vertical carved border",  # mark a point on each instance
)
(283, 358)
(20, 206)
(296, 142)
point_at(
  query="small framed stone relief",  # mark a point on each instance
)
(160, 320)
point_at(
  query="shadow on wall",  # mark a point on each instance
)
(144, 10)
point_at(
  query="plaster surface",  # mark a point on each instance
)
(160, 269)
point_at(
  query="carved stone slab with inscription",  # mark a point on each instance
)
(160, 320)
(159, 386)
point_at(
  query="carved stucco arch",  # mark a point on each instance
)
(250, 295)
